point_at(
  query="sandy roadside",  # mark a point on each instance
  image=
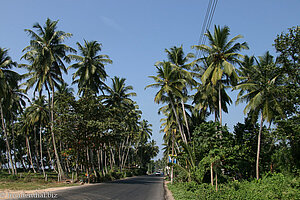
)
(50, 192)
(168, 193)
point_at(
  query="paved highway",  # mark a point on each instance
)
(135, 188)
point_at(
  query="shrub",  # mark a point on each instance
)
(139, 171)
(271, 186)
(128, 174)
(12, 177)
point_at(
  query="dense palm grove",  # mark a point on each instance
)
(98, 133)
(191, 88)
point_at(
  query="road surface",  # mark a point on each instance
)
(135, 188)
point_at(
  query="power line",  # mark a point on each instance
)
(211, 17)
(205, 22)
(204, 25)
(210, 11)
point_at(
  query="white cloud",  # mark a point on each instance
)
(111, 23)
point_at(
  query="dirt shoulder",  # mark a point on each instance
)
(168, 193)
(48, 192)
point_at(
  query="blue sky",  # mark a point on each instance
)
(134, 33)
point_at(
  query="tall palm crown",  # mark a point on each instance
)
(170, 86)
(168, 83)
(118, 94)
(145, 131)
(65, 90)
(46, 54)
(260, 87)
(206, 98)
(180, 63)
(90, 72)
(11, 97)
(246, 68)
(221, 53)
(177, 57)
(8, 78)
(38, 112)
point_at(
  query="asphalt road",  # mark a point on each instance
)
(135, 188)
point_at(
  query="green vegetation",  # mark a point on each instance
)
(259, 158)
(30, 181)
(275, 186)
(99, 134)
(96, 136)
(34, 181)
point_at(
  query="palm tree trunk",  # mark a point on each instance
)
(14, 147)
(88, 164)
(51, 160)
(99, 160)
(6, 141)
(22, 161)
(60, 170)
(7, 163)
(212, 174)
(36, 153)
(76, 165)
(41, 151)
(126, 157)
(185, 119)
(178, 122)
(172, 169)
(258, 145)
(29, 153)
(119, 155)
(112, 154)
(102, 161)
(123, 161)
(92, 162)
(105, 161)
(220, 105)
(216, 182)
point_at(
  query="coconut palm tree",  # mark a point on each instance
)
(170, 86)
(90, 72)
(38, 115)
(47, 54)
(13, 107)
(8, 83)
(117, 99)
(221, 54)
(8, 78)
(118, 95)
(64, 89)
(170, 138)
(259, 88)
(26, 128)
(207, 98)
(145, 131)
(179, 60)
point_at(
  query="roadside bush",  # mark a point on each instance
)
(128, 174)
(105, 178)
(271, 186)
(139, 171)
(27, 177)
(12, 177)
(117, 175)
